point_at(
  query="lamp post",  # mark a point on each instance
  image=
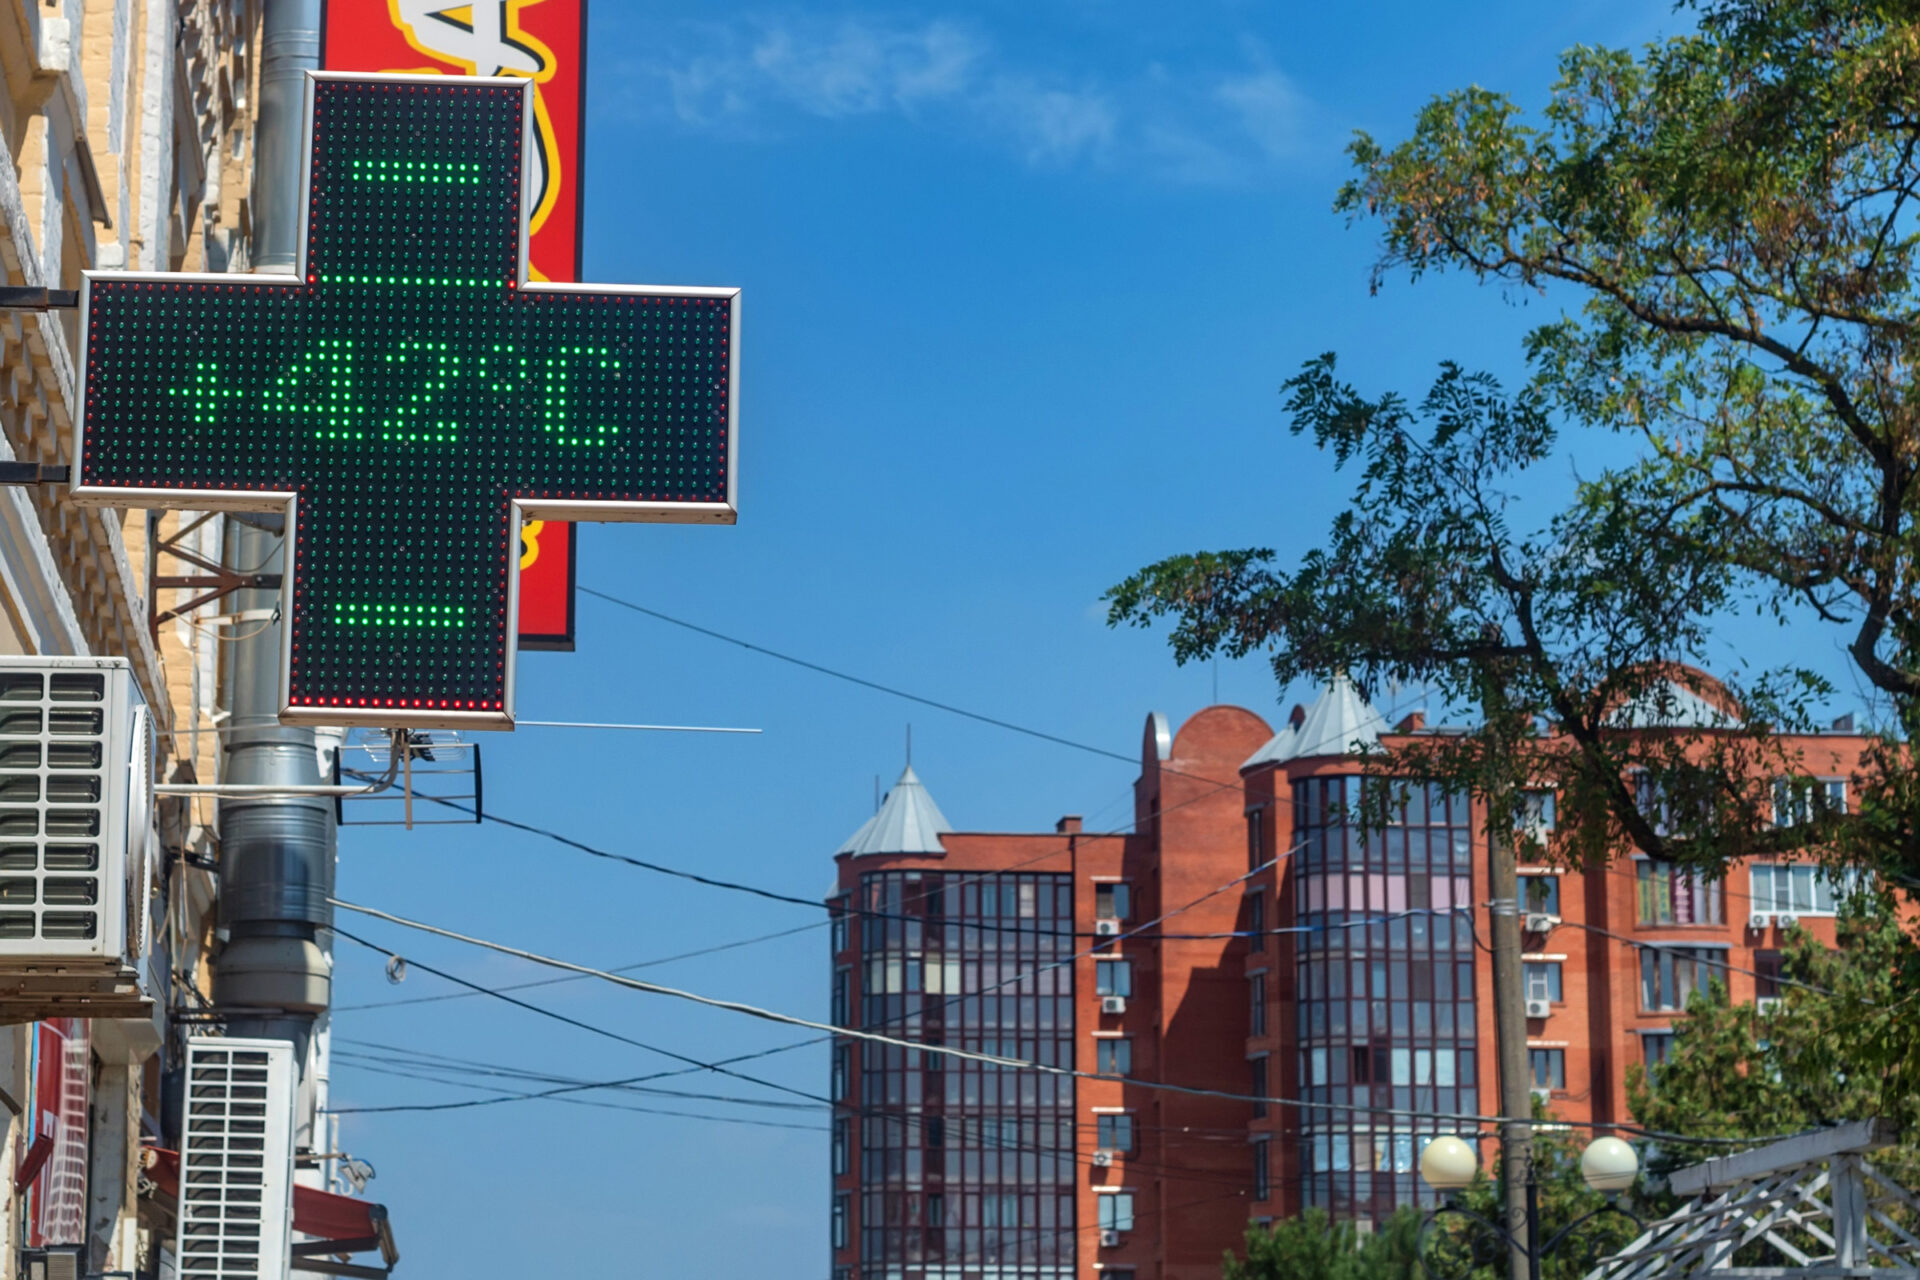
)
(1449, 1164)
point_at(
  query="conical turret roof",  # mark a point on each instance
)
(908, 821)
(1340, 722)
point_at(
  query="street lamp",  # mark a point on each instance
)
(1449, 1165)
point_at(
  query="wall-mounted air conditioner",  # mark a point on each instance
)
(1113, 1004)
(236, 1160)
(1540, 922)
(78, 841)
(1767, 1004)
(1103, 1159)
(1786, 921)
(55, 1262)
(1109, 1239)
(1539, 1008)
(1106, 928)
(1759, 921)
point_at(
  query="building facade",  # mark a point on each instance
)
(1268, 1008)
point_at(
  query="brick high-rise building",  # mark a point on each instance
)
(1244, 939)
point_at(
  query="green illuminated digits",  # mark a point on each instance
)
(391, 616)
(204, 393)
(411, 422)
(466, 175)
(555, 404)
(319, 387)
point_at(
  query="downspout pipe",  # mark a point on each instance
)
(276, 851)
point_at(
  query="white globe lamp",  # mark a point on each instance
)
(1448, 1164)
(1609, 1165)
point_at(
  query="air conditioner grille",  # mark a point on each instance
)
(54, 797)
(236, 1160)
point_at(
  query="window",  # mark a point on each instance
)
(1675, 895)
(1797, 802)
(840, 1221)
(1549, 1068)
(1113, 1057)
(842, 982)
(1257, 922)
(1257, 1084)
(1256, 846)
(1542, 894)
(1543, 980)
(842, 1065)
(1113, 977)
(1114, 1132)
(1766, 975)
(840, 1127)
(1113, 902)
(936, 1209)
(1262, 1184)
(1800, 888)
(1116, 1211)
(1655, 1048)
(1670, 975)
(839, 915)
(1257, 998)
(1535, 819)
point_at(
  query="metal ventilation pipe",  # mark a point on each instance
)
(276, 852)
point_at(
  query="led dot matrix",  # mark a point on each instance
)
(407, 390)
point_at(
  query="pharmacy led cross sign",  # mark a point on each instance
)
(408, 399)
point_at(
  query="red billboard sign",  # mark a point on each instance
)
(545, 41)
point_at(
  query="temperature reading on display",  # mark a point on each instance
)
(409, 398)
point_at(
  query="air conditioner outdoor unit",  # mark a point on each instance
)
(78, 840)
(1539, 1008)
(1540, 921)
(1106, 928)
(1786, 922)
(236, 1160)
(1766, 1004)
(1759, 921)
(1113, 1004)
(1103, 1159)
(55, 1262)
(1109, 1239)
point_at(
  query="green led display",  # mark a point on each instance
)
(407, 390)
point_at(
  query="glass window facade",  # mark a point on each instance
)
(1114, 1132)
(1113, 902)
(1670, 975)
(1113, 1056)
(1549, 1068)
(1799, 888)
(1541, 894)
(1257, 922)
(966, 1169)
(1116, 1211)
(1543, 980)
(1675, 895)
(1385, 1011)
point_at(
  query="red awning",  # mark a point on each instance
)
(317, 1213)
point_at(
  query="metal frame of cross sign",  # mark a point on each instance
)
(408, 399)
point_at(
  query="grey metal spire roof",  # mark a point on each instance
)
(1668, 704)
(1340, 722)
(908, 821)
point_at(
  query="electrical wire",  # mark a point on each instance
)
(986, 1059)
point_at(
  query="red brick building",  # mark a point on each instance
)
(1242, 939)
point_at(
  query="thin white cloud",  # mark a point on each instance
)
(755, 77)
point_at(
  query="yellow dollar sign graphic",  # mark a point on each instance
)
(530, 541)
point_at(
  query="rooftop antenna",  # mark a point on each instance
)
(909, 746)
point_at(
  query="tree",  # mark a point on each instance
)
(1312, 1247)
(1826, 1053)
(1735, 210)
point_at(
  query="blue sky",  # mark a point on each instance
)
(1022, 280)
